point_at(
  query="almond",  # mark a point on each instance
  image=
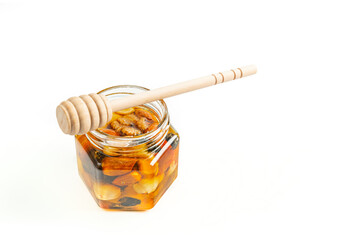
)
(115, 166)
(127, 179)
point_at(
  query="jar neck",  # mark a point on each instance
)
(120, 144)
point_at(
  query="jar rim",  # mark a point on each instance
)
(164, 120)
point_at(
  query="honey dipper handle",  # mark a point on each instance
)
(182, 87)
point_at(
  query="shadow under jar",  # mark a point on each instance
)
(124, 171)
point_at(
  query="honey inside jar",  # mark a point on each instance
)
(135, 170)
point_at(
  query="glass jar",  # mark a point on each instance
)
(129, 172)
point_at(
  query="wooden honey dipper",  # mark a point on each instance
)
(79, 115)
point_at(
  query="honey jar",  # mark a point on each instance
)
(130, 162)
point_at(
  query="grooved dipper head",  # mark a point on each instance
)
(79, 115)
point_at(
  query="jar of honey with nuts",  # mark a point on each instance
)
(130, 162)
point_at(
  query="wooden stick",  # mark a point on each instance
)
(78, 115)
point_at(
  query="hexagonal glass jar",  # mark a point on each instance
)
(129, 172)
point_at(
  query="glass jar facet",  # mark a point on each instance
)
(129, 172)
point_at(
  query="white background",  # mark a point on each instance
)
(272, 156)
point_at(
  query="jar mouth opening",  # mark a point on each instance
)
(121, 90)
